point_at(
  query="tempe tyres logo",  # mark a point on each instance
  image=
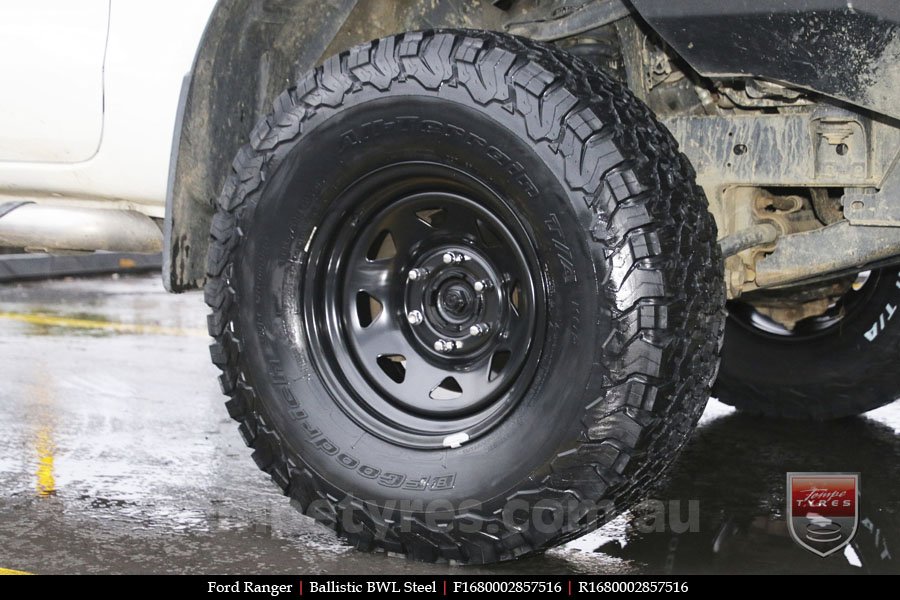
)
(822, 510)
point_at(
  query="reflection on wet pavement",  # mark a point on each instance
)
(116, 455)
(736, 465)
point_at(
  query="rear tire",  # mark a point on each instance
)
(601, 227)
(828, 370)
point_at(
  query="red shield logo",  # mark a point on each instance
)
(822, 510)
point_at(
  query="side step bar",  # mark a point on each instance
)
(41, 227)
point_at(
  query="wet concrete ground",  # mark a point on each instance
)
(117, 456)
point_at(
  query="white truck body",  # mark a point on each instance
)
(90, 97)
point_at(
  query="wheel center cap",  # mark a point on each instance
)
(456, 301)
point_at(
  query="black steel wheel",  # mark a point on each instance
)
(428, 305)
(836, 364)
(466, 296)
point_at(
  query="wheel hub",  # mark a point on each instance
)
(448, 294)
(456, 300)
(460, 301)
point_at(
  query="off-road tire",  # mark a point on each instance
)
(846, 370)
(632, 274)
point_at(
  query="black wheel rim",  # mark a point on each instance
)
(845, 308)
(425, 302)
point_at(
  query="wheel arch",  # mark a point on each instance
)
(250, 51)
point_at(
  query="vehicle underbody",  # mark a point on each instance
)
(800, 180)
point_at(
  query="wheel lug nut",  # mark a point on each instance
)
(479, 329)
(446, 345)
(483, 284)
(451, 258)
(416, 274)
(414, 317)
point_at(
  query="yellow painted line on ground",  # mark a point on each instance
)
(46, 449)
(74, 323)
(12, 572)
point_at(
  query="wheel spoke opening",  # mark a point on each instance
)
(498, 362)
(448, 389)
(488, 237)
(368, 308)
(433, 217)
(394, 366)
(515, 299)
(382, 247)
